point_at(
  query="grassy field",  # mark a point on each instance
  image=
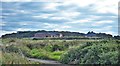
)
(65, 51)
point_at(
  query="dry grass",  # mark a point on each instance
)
(0, 57)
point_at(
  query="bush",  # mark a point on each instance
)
(52, 48)
(95, 53)
(14, 58)
(11, 49)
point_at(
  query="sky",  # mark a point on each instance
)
(64, 15)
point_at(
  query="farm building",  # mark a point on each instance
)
(45, 35)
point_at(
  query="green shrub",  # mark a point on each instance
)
(11, 49)
(95, 53)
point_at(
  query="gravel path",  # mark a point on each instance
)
(44, 61)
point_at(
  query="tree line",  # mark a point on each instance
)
(28, 34)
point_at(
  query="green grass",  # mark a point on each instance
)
(56, 55)
(42, 54)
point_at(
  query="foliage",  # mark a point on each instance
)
(14, 58)
(92, 53)
(117, 37)
(65, 51)
(42, 54)
(75, 35)
(56, 55)
(39, 53)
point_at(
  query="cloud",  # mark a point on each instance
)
(80, 21)
(88, 19)
(16, 0)
(51, 6)
(2, 24)
(31, 0)
(68, 15)
(104, 29)
(57, 18)
(102, 22)
(101, 6)
(23, 11)
(65, 15)
(106, 6)
(1, 17)
(24, 23)
(47, 25)
(42, 16)
(81, 3)
(7, 14)
(64, 27)
(23, 29)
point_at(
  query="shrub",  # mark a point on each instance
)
(95, 53)
(11, 49)
(14, 58)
